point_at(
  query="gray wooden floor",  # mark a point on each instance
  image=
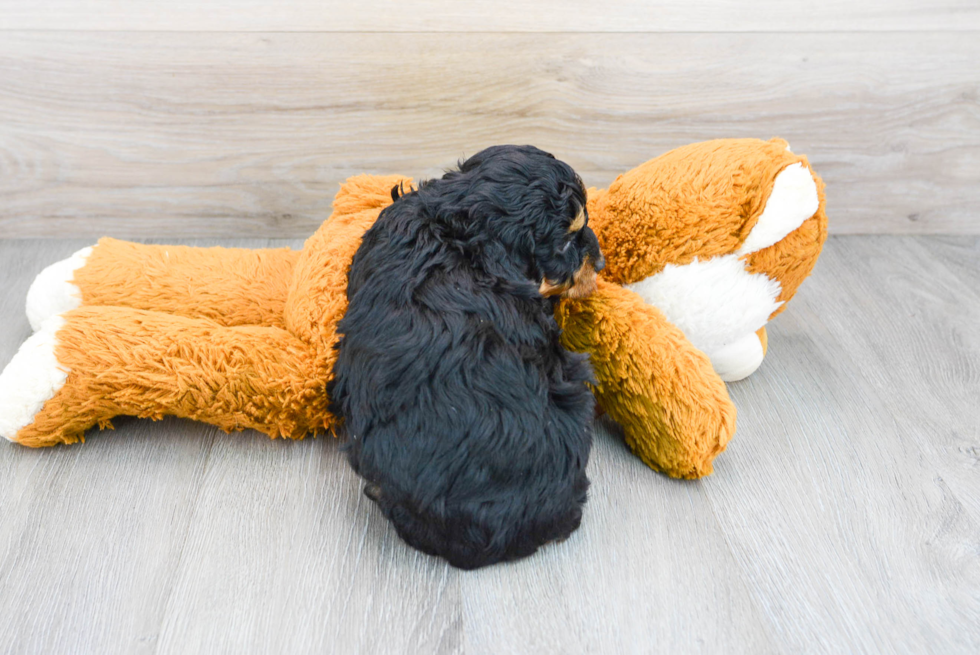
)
(844, 517)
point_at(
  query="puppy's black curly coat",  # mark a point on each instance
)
(462, 411)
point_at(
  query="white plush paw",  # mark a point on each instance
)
(738, 359)
(31, 379)
(53, 291)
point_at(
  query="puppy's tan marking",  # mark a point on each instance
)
(583, 283)
(549, 288)
(579, 221)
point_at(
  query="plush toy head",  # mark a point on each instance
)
(703, 246)
(727, 200)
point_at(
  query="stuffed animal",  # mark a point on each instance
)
(703, 246)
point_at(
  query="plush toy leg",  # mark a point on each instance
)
(93, 363)
(675, 412)
(232, 286)
(31, 378)
(53, 291)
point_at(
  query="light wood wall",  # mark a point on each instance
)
(240, 118)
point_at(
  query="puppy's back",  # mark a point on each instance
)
(468, 420)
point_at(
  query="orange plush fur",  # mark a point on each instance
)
(700, 200)
(245, 338)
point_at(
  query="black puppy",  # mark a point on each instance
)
(462, 411)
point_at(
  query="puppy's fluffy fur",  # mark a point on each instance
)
(462, 411)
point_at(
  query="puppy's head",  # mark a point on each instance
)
(532, 207)
(570, 266)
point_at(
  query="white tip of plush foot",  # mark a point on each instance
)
(53, 291)
(738, 360)
(793, 200)
(31, 379)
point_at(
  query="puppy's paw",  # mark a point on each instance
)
(31, 379)
(53, 290)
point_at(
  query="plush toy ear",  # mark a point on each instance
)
(675, 411)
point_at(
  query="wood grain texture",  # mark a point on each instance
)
(649, 571)
(849, 430)
(936, 284)
(500, 16)
(842, 518)
(183, 134)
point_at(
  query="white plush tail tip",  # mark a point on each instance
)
(793, 199)
(53, 291)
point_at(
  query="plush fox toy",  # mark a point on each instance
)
(703, 246)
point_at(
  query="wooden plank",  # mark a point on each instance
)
(285, 554)
(92, 536)
(503, 16)
(648, 571)
(922, 328)
(167, 134)
(959, 255)
(839, 498)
